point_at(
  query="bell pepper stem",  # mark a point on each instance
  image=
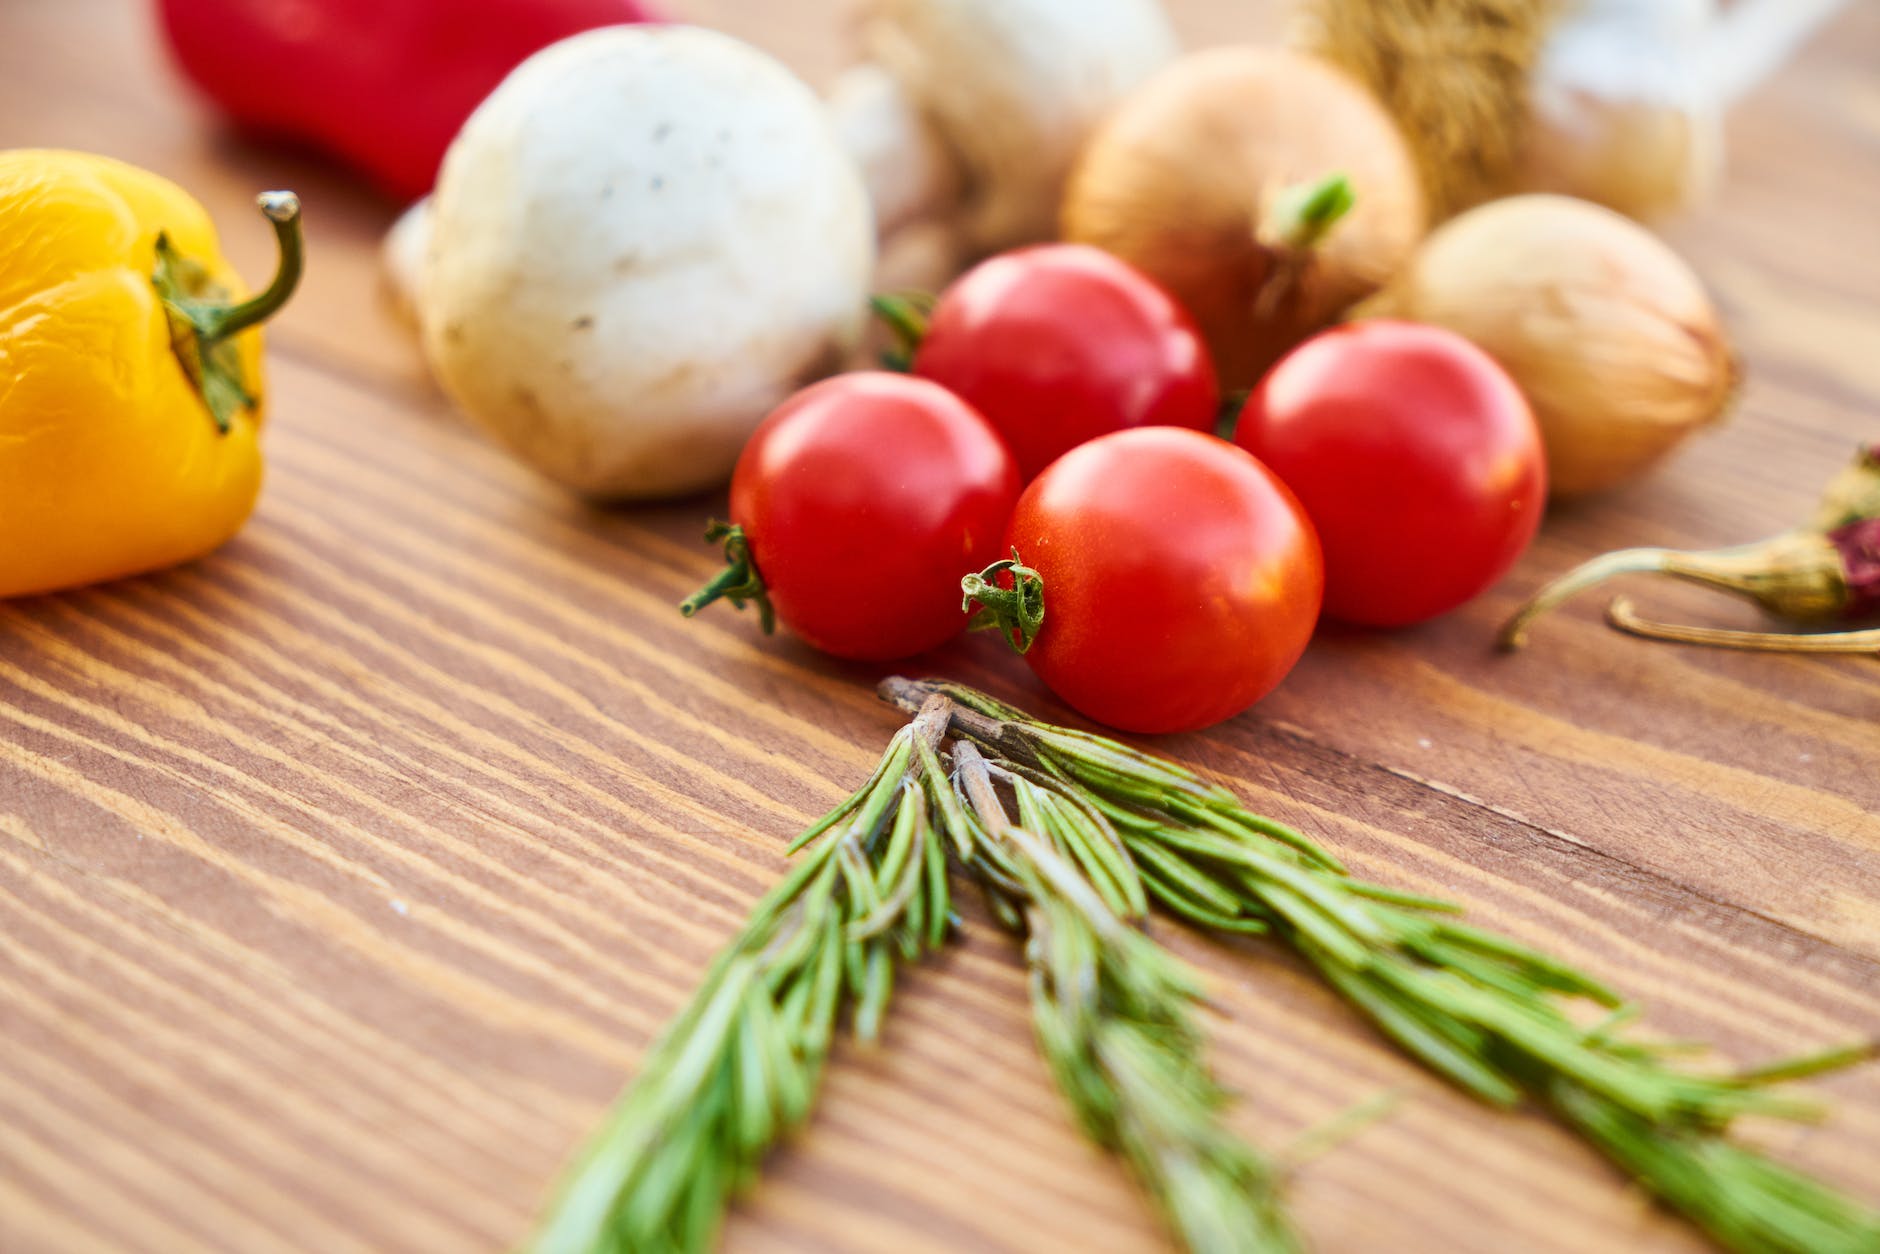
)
(202, 322)
(282, 210)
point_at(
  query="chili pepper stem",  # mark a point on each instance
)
(1577, 580)
(1821, 571)
(1623, 615)
(1797, 575)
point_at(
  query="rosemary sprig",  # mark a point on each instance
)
(1110, 1009)
(739, 1067)
(1487, 1013)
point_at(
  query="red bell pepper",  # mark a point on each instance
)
(383, 85)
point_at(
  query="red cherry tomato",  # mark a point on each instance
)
(1181, 578)
(1416, 457)
(1062, 343)
(864, 499)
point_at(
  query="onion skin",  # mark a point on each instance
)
(1181, 179)
(1609, 333)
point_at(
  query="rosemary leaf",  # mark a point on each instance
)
(739, 1067)
(1112, 1018)
(1485, 1012)
(1742, 1199)
(1111, 1013)
(1203, 891)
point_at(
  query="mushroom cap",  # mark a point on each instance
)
(1014, 87)
(642, 241)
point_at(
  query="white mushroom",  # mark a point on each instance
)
(965, 114)
(986, 102)
(639, 244)
(910, 173)
(401, 259)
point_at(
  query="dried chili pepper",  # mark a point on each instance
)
(1823, 572)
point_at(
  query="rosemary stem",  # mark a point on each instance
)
(1488, 1014)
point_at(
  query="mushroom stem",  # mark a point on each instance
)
(401, 259)
(908, 169)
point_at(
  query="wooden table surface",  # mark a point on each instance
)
(346, 875)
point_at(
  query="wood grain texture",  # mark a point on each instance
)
(345, 875)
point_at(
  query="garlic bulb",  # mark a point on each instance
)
(1616, 101)
(1609, 334)
(1621, 110)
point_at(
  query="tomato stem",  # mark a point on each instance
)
(1227, 413)
(1016, 612)
(738, 582)
(905, 314)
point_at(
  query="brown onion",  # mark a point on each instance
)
(1608, 332)
(1192, 176)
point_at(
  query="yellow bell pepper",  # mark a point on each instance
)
(130, 371)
